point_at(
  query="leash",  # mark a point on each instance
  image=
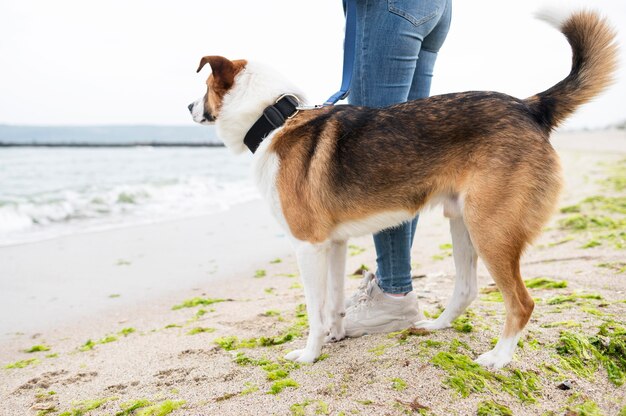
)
(349, 49)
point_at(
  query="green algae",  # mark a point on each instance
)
(127, 331)
(250, 388)
(576, 297)
(491, 408)
(287, 274)
(566, 324)
(616, 266)
(280, 385)
(37, 348)
(544, 283)
(91, 344)
(191, 303)
(587, 408)
(429, 343)
(107, 339)
(161, 409)
(466, 377)
(493, 296)
(129, 408)
(434, 315)
(296, 330)
(594, 311)
(561, 241)
(601, 217)
(199, 313)
(464, 322)
(446, 251)
(398, 384)
(80, 408)
(276, 261)
(403, 335)
(591, 244)
(298, 409)
(274, 370)
(260, 273)
(200, 330)
(23, 363)
(354, 250)
(380, 349)
(583, 354)
(580, 222)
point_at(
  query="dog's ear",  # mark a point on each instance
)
(223, 70)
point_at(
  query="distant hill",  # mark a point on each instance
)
(113, 135)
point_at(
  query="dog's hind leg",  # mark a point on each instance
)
(519, 306)
(335, 307)
(465, 287)
(313, 264)
(500, 239)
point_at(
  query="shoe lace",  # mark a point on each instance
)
(364, 296)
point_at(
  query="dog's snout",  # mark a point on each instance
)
(190, 107)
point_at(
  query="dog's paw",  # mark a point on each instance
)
(302, 356)
(335, 335)
(334, 338)
(431, 325)
(494, 359)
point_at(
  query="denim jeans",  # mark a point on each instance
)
(397, 45)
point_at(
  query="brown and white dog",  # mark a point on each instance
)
(336, 172)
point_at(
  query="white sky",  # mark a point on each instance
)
(134, 62)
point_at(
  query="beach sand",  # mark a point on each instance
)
(109, 312)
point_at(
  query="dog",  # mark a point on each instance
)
(335, 172)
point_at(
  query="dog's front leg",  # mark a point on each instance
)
(335, 305)
(466, 285)
(313, 264)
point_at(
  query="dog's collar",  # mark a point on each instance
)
(274, 116)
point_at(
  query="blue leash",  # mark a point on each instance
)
(349, 48)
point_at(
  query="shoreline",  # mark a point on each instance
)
(43, 282)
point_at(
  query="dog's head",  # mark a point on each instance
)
(236, 94)
(206, 109)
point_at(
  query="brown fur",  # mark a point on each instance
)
(343, 163)
(347, 163)
(223, 73)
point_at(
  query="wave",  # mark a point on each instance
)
(67, 211)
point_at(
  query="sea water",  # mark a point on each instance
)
(49, 192)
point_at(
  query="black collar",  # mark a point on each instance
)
(273, 117)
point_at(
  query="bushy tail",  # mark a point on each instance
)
(594, 63)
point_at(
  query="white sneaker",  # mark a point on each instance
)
(375, 312)
(352, 300)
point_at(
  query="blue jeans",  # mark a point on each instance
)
(397, 45)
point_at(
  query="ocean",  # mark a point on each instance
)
(50, 192)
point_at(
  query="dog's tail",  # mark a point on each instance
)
(594, 63)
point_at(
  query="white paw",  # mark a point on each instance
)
(302, 356)
(431, 325)
(493, 358)
(335, 335)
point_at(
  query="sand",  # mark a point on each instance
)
(118, 288)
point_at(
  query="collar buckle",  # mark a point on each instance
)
(293, 99)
